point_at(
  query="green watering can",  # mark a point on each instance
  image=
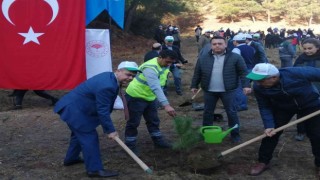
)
(214, 134)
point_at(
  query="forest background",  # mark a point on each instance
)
(143, 16)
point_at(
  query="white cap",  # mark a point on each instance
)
(262, 70)
(256, 35)
(156, 45)
(171, 28)
(248, 36)
(169, 38)
(239, 37)
(128, 65)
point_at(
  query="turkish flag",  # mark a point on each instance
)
(42, 44)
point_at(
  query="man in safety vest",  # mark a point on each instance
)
(142, 95)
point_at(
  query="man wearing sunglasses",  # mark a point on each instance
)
(88, 106)
(281, 94)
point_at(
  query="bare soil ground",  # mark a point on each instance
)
(34, 141)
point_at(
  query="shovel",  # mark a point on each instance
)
(189, 102)
(264, 135)
(134, 157)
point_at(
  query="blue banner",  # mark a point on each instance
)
(114, 7)
(94, 8)
(116, 11)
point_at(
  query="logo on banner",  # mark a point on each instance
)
(30, 36)
(97, 48)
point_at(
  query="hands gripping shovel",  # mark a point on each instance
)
(264, 135)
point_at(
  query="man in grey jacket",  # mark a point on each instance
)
(218, 72)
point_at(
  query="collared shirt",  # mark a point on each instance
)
(216, 82)
(170, 47)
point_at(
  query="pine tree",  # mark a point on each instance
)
(188, 136)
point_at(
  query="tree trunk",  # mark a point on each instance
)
(130, 14)
(253, 19)
(310, 21)
(269, 18)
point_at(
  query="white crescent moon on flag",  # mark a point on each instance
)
(55, 9)
(7, 3)
(5, 9)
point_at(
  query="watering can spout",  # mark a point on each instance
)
(225, 133)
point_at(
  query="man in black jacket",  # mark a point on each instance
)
(175, 67)
(218, 72)
(156, 48)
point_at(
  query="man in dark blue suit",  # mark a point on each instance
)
(87, 106)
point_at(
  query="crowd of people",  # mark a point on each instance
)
(281, 93)
(229, 67)
(229, 64)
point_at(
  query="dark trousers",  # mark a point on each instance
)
(283, 117)
(227, 98)
(301, 128)
(176, 72)
(138, 108)
(197, 38)
(88, 144)
(19, 94)
(286, 62)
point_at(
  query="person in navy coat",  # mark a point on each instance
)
(88, 106)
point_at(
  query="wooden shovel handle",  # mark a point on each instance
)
(264, 135)
(135, 157)
(194, 96)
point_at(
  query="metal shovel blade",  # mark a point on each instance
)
(187, 103)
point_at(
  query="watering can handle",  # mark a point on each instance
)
(209, 127)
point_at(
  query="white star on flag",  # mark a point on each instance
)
(31, 36)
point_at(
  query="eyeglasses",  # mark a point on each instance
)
(170, 41)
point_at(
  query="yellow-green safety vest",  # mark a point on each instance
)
(139, 88)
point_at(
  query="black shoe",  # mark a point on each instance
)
(135, 150)
(236, 139)
(17, 107)
(70, 163)
(179, 93)
(162, 144)
(159, 142)
(185, 62)
(54, 101)
(102, 173)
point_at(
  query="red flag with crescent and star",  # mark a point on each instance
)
(42, 44)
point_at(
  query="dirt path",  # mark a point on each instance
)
(34, 140)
